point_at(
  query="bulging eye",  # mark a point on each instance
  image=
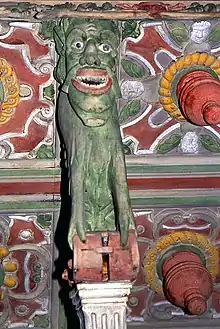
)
(79, 45)
(105, 48)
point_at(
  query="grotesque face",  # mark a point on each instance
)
(200, 31)
(91, 80)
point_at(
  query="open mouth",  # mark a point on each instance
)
(94, 81)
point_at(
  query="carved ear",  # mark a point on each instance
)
(59, 35)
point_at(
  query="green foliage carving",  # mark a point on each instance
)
(168, 144)
(41, 321)
(37, 276)
(45, 152)
(132, 69)
(178, 32)
(131, 29)
(37, 267)
(49, 92)
(214, 36)
(46, 30)
(130, 110)
(44, 220)
(210, 143)
(128, 147)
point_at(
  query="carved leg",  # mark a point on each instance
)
(125, 214)
(77, 192)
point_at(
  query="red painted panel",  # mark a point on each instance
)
(133, 183)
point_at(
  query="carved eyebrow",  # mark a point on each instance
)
(75, 34)
(91, 28)
(107, 35)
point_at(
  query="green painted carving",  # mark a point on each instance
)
(210, 143)
(214, 36)
(46, 30)
(2, 93)
(49, 92)
(37, 276)
(88, 121)
(132, 69)
(130, 110)
(41, 321)
(62, 317)
(168, 144)
(178, 32)
(2, 274)
(131, 29)
(207, 8)
(44, 220)
(45, 152)
(129, 146)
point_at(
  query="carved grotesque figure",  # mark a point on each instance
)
(200, 31)
(88, 121)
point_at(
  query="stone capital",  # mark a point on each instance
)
(104, 304)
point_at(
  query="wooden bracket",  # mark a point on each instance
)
(101, 258)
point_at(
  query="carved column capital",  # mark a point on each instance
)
(104, 304)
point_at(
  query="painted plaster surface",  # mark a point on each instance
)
(26, 291)
(27, 93)
(27, 133)
(153, 46)
(27, 124)
(144, 304)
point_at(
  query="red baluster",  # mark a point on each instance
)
(187, 283)
(198, 93)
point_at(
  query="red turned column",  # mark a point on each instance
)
(198, 93)
(187, 283)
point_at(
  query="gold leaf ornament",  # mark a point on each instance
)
(11, 91)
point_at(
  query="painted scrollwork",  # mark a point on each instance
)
(25, 267)
(9, 91)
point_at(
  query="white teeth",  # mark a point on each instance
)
(93, 81)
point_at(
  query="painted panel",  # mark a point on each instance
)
(148, 49)
(28, 58)
(145, 305)
(27, 93)
(27, 300)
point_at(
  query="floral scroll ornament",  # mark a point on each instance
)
(9, 91)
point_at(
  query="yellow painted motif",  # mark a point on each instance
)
(10, 266)
(9, 270)
(186, 61)
(178, 238)
(10, 281)
(2, 295)
(11, 91)
(4, 252)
